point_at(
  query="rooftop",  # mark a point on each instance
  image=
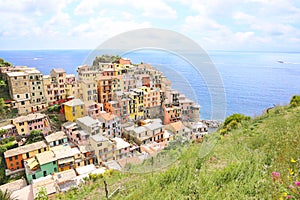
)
(29, 117)
(74, 102)
(55, 136)
(11, 74)
(121, 144)
(99, 138)
(64, 176)
(87, 121)
(85, 169)
(107, 116)
(62, 151)
(25, 149)
(58, 70)
(45, 157)
(14, 185)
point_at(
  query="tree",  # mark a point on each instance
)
(295, 101)
(42, 194)
(35, 136)
(6, 195)
(2, 107)
(2, 83)
(2, 131)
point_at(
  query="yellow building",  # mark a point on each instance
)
(136, 105)
(74, 109)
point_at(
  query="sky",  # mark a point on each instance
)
(248, 25)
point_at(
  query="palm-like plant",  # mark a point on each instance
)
(6, 195)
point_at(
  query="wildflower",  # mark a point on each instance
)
(284, 194)
(293, 160)
(275, 175)
(297, 183)
(291, 171)
(288, 197)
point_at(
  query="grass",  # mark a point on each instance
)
(238, 165)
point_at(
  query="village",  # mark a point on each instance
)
(114, 113)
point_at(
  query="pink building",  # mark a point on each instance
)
(172, 114)
(93, 109)
(36, 121)
(111, 125)
(75, 134)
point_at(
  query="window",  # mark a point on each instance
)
(39, 151)
(18, 96)
(45, 173)
(10, 158)
(27, 155)
(54, 162)
(22, 129)
(22, 103)
(33, 176)
(25, 83)
(55, 169)
(16, 157)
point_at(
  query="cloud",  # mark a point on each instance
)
(86, 7)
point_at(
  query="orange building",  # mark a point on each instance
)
(104, 84)
(14, 157)
(124, 61)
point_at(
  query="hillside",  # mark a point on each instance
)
(259, 159)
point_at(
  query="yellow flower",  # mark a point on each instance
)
(284, 194)
(291, 171)
(293, 160)
(280, 198)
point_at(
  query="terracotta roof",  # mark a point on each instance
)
(177, 126)
(107, 116)
(25, 149)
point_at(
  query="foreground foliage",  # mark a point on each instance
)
(258, 160)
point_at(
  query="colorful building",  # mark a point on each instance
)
(43, 164)
(65, 157)
(14, 157)
(74, 109)
(110, 124)
(136, 105)
(56, 138)
(34, 121)
(104, 148)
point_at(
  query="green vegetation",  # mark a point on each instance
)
(233, 122)
(42, 194)
(258, 160)
(295, 101)
(53, 108)
(35, 136)
(4, 63)
(3, 108)
(106, 59)
(6, 195)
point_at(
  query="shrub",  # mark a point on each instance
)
(295, 101)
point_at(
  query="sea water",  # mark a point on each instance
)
(252, 81)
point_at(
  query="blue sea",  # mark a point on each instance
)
(252, 81)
